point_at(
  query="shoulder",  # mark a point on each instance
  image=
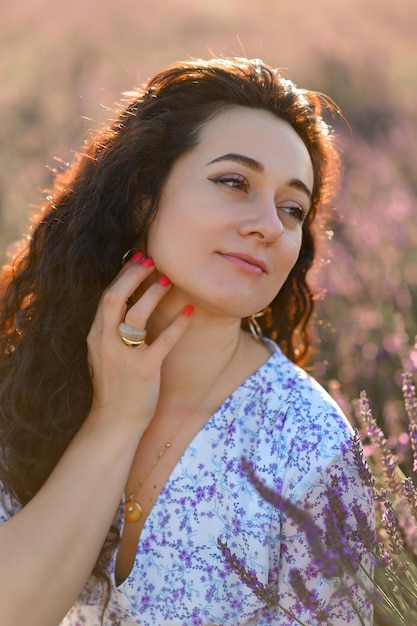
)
(303, 430)
(307, 404)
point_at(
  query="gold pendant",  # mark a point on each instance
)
(133, 511)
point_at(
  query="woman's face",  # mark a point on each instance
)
(229, 223)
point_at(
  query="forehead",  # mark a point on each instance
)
(258, 134)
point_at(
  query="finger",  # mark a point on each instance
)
(127, 278)
(129, 260)
(166, 340)
(112, 306)
(139, 313)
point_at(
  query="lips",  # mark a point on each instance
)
(246, 262)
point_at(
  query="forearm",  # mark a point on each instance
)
(48, 550)
(50, 547)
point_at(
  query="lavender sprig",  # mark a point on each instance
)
(331, 548)
(389, 461)
(328, 566)
(308, 598)
(364, 470)
(399, 599)
(331, 552)
(390, 521)
(410, 493)
(384, 558)
(337, 532)
(364, 532)
(263, 592)
(410, 403)
(409, 395)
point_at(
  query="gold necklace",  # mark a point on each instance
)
(133, 510)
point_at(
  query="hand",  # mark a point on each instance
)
(126, 381)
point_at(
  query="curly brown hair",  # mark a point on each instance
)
(99, 208)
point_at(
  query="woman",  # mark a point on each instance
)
(131, 391)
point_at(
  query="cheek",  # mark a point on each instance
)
(162, 235)
(284, 263)
(172, 248)
(292, 249)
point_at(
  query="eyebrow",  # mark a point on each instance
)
(255, 165)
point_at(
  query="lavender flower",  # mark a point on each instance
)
(412, 432)
(339, 547)
(389, 519)
(337, 532)
(308, 598)
(389, 461)
(410, 403)
(384, 558)
(406, 522)
(261, 591)
(409, 395)
(410, 493)
(363, 468)
(364, 533)
(332, 552)
(328, 566)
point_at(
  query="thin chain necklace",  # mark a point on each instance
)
(133, 510)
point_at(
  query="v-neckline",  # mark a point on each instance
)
(180, 463)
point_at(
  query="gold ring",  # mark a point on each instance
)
(131, 336)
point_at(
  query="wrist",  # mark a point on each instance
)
(101, 421)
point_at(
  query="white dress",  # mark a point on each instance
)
(297, 439)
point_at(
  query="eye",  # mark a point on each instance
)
(234, 181)
(294, 210)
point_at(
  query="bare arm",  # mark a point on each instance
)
(50, 547)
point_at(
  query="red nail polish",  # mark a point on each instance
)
(138, 256)
(148, 262)
(188, 310)
(164, 281)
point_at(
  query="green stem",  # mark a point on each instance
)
(385, 597)
(402, 586)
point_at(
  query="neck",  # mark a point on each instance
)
(209, 349)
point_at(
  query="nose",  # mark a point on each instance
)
(262, 221)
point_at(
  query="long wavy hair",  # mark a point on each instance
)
(99, 208)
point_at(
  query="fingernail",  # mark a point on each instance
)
(138, 256)
(164, 281)
(188, 310)
(148, 262)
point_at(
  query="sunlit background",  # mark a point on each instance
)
(64, 64)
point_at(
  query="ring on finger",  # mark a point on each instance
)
(131, 336)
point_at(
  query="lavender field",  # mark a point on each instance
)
(63, 65)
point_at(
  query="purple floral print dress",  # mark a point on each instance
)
(296, 437)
